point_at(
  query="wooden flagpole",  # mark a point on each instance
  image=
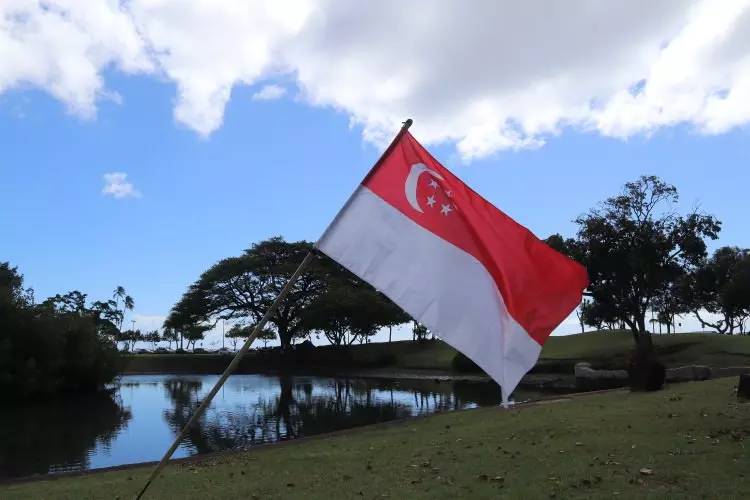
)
(232, 366)
(256, 331)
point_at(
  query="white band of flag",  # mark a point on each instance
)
(437, 283)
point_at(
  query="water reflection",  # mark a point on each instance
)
(138, 421)
(307, 406)
(58, 435)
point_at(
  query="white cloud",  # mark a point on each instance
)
(269, 93)
(117, 186)
(498, 75)
(63, 46)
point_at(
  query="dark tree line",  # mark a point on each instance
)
(60, 344)
(326, 300)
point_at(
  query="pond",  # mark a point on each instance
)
(142, 414)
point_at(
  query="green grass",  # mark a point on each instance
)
(693, 437)
(612, 348)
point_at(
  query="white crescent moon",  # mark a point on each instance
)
(410, 187)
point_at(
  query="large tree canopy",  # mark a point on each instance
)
(721, 287)
(244, 287)
(636, 249)
(350, 309)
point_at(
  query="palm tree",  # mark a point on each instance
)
(128, 302)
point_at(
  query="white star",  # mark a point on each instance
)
(433, 184)
(431, 201)
(445, 209)
(449, 193)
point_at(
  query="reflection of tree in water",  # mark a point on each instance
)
(297, 411)
(184, 396)
(58, 435)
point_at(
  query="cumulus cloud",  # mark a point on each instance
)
(269, 93)
(63, 46)
(492, 76)
(117, 186)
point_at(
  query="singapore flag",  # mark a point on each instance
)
(476, 278)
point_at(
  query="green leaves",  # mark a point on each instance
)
(326, 298)
(636, 248)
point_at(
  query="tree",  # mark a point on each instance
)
(107, 318)
(153, 337)
(350, 309)
(244, 287)
(12, 294)
(721, 287)
(194, 333)
(169, 335)
(71, 302)
(243, 332)
(635, 246)
(419, 331)
(266, 335)
(669, 303)
(51, 347)
(127, 303)
(235, 333)
(130, 337)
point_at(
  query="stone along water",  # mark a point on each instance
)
(141, 415)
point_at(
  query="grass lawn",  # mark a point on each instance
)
(688, 441)
(612, 348)
(604, 348)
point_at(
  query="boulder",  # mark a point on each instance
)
(688, 373)
(588, 379)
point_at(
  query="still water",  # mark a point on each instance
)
(138, 420)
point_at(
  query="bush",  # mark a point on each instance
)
(44, 351)
(463, 364)
(47, 353)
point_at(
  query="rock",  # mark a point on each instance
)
(743, 387)
(582, 369)
(688, 373)
(588, 379)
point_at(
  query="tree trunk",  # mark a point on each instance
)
(285, 338)
(646, 372)
(390, 332)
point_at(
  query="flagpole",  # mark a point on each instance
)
(232, 366)
(256, 331)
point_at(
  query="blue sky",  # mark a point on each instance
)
(278, 167)
(218, 124)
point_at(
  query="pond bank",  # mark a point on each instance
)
(215, 364)
(687, 441)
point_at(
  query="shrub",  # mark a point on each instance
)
(44, 350)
